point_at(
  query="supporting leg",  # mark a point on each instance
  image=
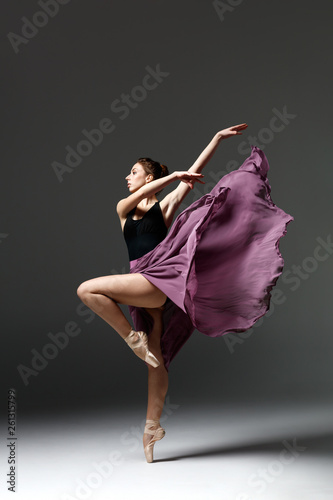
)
(157, 377)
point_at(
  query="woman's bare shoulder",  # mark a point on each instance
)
(127, 204)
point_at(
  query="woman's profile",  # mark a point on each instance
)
(212, 271)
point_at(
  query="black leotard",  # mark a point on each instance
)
(144, 234)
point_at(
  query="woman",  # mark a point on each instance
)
(213, 271)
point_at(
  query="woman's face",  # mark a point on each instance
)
(137, 178)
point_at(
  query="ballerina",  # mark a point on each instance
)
(162, 285)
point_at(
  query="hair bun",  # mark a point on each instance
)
(165, 170)
(155, 168)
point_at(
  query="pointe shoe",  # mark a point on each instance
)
(157, 433)
(140, 348)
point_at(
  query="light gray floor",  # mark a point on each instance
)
(233, 452)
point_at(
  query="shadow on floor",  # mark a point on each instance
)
(320, 443)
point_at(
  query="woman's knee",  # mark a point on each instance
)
(83, 291)
(88, 290)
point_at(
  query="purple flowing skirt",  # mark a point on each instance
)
(219, 261)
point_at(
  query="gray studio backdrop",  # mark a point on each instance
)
(87, 88)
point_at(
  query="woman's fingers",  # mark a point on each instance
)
(241, 126)
(190, 182)
(190, 177)
(234, 130)
(195, 176)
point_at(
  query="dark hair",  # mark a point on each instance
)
(156, 169)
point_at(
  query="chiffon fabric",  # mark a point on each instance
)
(219, 261)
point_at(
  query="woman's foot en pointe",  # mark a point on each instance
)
(138, 342)
(153, 428)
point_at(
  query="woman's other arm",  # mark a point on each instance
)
(127, 204)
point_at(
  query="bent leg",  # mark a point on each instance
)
(103, 294)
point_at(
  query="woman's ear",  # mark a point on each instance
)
(149, 178)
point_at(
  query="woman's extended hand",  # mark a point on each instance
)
(189, 177)
(229, 132)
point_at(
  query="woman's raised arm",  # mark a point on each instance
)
(208, 152)
(172, 201)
